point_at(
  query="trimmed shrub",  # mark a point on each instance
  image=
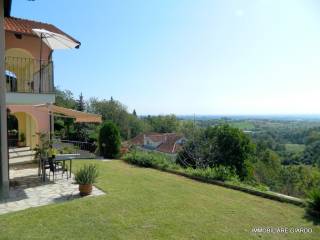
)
(109, 140)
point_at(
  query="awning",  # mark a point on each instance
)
(66, 112)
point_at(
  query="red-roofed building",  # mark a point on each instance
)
(29, 84)
(170, 143)
(29, 76)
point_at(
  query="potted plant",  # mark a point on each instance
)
(21, 142)
(85, 177)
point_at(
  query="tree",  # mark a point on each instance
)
(109, 140)
(81, 129)
(311, 154)
(298, 180)
(187, 128)
(112, 110)
(163, 123)
(267, 168)
(220, 145)
(80, 103)
(64, 98)
(134, 113)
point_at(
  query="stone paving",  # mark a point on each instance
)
(27, 190)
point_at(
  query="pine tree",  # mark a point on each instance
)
(80, 103)
(81, 128)
(134, 113)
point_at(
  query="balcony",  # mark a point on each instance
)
(29, 81)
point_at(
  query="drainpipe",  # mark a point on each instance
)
(4, 164)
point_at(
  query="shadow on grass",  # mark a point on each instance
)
(312, 216)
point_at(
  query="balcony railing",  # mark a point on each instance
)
(28, 75)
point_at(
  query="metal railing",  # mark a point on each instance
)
(84, 149)
(28, 75)
(13, 142)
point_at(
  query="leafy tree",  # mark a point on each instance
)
(188, 128)
(220, 145)
(311, 154)
(313, 136)
(298, 180)
(267, 168)
(163, 123)
(109, 140)
(112, 110)
(64, 98)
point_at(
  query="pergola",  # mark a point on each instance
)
(79, 116)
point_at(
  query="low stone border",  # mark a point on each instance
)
(268, 194)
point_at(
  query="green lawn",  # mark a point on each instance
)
(148, 204)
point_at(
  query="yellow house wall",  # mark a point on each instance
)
(31, 121)
(30, 43)
(21, 66)
(28, 126)
(24, 49)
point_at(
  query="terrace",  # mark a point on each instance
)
(28, 75)
(28, 190)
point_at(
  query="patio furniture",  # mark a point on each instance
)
(53, 166)
(58, 164)
(67, 157)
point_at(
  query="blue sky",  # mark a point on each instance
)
(186, 57)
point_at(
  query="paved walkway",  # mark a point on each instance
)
(27, 190)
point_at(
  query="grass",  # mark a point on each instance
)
(294, 148)
(145, 203)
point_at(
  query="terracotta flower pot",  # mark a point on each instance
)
(85, 189)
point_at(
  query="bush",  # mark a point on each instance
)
(109, 140)
(220, 173)
(150, 159)
(87, 174)
(220, 145)
(314, 202)
(298, 180)
(162, 161)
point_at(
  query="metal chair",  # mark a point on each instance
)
(52, 166)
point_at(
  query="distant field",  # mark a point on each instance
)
(244, 125)
(295, 148)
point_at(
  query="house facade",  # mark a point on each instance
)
(29, 79)
(27, 84)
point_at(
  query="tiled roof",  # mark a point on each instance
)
(168, 141)
(139, 139)
(170, 146)
(25, 26)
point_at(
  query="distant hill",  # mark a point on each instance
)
(315, 117)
